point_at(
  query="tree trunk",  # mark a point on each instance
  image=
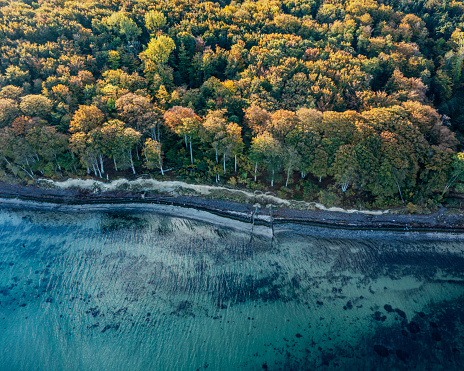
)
(256, 169)
(12, 169)
(235, 163)
(449, 184)
(345, 186)
(8, 162)
(101, 164)
(98, 168)
(161, 165)
(186, 141)
(224, 157)
(272, 180)
(320, 179)
(57, 164)
(191, 153)
(217, 160)
(288, 176)
(31, 174)
(399, 190)
(115, 164)
(94, 169)
(131, 161)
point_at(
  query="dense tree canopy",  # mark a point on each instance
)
(363, 98)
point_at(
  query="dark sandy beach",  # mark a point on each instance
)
(264, 215)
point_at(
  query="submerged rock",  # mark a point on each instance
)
(381, 350)
(108, 327)
(93, 311)
(401, 354)
(413, 327)
(436, 336)
(400, 313)
(378, 316)
(388, 308)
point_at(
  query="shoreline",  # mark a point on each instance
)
(272, 214)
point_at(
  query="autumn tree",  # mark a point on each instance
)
(232, 143)
(124, 26)
(154, 21)
(345, 166)
(153, 155)
(86, 118)
(184, 122)
(457, 173)
(265, 148)
(35, 105)
(8, 111)
(140, 114)
(158, 50)
(257, 118)
(214, 131)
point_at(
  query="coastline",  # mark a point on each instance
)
(259, 209)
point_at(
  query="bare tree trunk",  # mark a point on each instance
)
(161, 165)
(94, 169)
(345, 186)
(115, 164)
(235, 164)
(224, 157)
(98, 168)
(56, 160)
(272, 180)
(31, 174)
(288, 176)
(256, 169)
(449, 184)
(101, 164)
(191, 153)
(8, 162)
(399, 190)
(217, 160)
(131, 161)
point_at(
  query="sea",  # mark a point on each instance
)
(114, 289)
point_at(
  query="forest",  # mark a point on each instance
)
(349, 102)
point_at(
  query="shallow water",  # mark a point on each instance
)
(146, 291)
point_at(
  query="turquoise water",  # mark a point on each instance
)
(146, 291)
